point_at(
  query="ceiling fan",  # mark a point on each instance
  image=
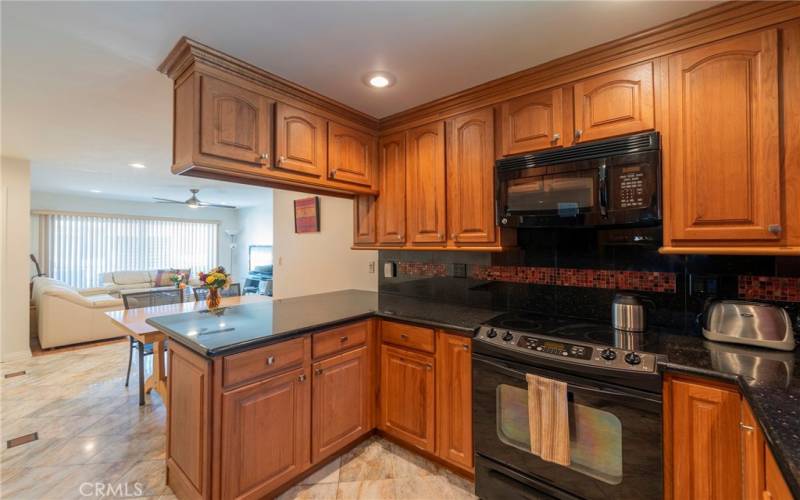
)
(192, 202)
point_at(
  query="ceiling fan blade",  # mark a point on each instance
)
(165, 200)
(214, 205)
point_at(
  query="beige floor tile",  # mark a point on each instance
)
(369, 461)
(147, 478)
(327, 474)
(424, 488)
(409, 464)
(324, 491)
(382, 489)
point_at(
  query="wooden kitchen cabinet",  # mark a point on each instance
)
(775, 487)
(425, 182)
(407, 396)
(300, 141)
(351, 155)
(391, 203)
(615, 103)
(234, 123)
(341, 401)
(703, 440)
(365, 220)
(470, 177)
(762, 477)
(723, 169)
(454, 399)
(265, 438)
(534, 121)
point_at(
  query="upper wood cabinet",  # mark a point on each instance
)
(364, 220)
(265, 434)
(234, 122)
(407, 396)
(391, 203)
(704, 441)
(351, 155)
(425, 181)
(615, 103)
(533, 122)
(723, 171)
(341, 402)
(300, 141)
(470, 177)
(453, 399)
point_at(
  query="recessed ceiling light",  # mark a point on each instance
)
(137, 165)
(95, 191)
(379, 79)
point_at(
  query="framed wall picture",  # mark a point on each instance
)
(306, 215)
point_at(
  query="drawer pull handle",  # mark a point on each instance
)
(271, 360)
(318, 371)
(404, 336)
(745, 427)
(774, 228)
(343, 339)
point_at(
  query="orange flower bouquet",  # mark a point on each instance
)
(215, 280)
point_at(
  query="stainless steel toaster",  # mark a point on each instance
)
(751, 323)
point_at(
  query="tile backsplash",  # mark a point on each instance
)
(571, 273)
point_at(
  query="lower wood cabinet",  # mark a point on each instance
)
(407, 395)
(264, 434)
(341, 402)
(454, 399)
(714, 448)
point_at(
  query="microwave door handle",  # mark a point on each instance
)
(602, 190)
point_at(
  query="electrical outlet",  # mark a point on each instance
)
(459, 270)
(703, 284)
(372, 267)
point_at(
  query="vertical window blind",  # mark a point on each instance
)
(77, 248)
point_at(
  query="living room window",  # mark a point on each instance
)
(76, 248)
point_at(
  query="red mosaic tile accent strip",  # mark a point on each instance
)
(421, 269)
(644, 281)
(771, 288)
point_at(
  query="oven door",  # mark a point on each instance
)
(615, 433)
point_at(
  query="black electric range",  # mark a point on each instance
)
(614, 406)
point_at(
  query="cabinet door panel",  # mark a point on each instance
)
(724, 170)
(234, 122)
(752, 455)
(300, 141)
(407, 397)
(705, 441)
(426, 184)
(454, 399)
(265, 434)
(391, 202)
(470, 177)
(533, 122)
(352, 155)
(615, 103)
(365, 220)
(341, 402)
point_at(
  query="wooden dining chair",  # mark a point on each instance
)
(137, 300)
(201, 292)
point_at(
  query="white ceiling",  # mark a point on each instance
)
(81, 97)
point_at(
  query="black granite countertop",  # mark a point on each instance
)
(767, 378)
(237, 328)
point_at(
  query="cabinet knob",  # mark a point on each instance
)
(404, 336)
(465, 347)
(343, 339)
(428, 367)
(281, 159)
(318, 371)
(556, 137)
(453, 236)
(578, 133)
(271, 360)
(332, 175)
(301, 378)
(774, 228)
(265, 156)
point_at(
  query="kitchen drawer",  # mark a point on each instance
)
(414, 337)
(262, 361)
(339, 339)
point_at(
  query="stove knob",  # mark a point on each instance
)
(492, 333)
(508, 337)
(608, 354)
(632, 358)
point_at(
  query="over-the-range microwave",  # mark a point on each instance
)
(609, 183)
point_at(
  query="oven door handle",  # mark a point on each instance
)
(602, 189)
(570, 385)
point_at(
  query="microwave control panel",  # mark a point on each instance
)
(631, 188)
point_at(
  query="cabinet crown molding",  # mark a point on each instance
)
(188, 52)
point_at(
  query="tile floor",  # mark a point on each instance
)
(96, 442)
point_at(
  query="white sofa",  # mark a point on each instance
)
(117, 282)
(67, 315)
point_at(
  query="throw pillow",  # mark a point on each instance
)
(164, 277)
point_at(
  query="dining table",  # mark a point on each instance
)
(133, 323)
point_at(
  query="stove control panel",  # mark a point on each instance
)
(583, 353)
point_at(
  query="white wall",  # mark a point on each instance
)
(255, 228)
(228, 219)
(318, 262)
(15, 185)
